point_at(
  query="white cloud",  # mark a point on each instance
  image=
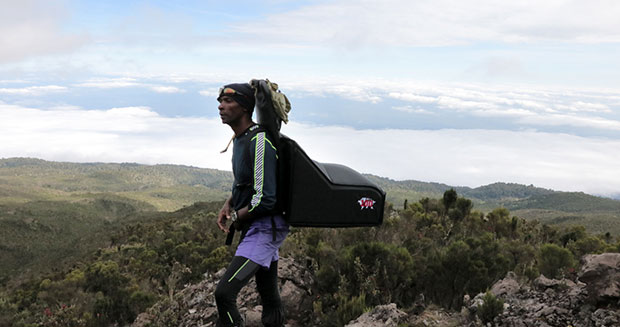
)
(125, 82)
(581, 106)
(354, 23)
(470, 157)
(412, 110)
(166, 89)
(532, 106)
(33, 90)
(209, 93)
(110, 83)
(30, 28)
(456, 157)
(573, 120)
(132, 134)
(411, 97)
(353, 90)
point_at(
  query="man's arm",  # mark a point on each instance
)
(264, 156)
(224, 215)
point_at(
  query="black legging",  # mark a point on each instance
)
(238, 274)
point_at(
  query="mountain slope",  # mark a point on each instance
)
(166, 187)
(57, 201)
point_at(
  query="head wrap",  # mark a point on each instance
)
(244, 94)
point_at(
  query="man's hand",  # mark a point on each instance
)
(223, 216)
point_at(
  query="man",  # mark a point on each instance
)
(252, 210)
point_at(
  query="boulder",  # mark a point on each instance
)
(553, 302)
(601, 273)
(507, 286)
(381, 316)
(543, 283)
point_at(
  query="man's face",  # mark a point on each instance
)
(230, 110)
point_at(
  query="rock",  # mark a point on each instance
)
(195, 305)
(507, 286)
(601, 273)
(591, 301)
(604, 317)
(381, 316)
(552, 302)
(475, 303)
(434, 316)
(252, 316)
(543, 283)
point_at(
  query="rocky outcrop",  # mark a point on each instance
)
(591, 301)
(195, 305)
(381, 316)
(601, 273)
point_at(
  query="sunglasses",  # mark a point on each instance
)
(229, 92)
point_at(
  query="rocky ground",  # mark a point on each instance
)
(591, 300)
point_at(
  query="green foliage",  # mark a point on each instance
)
(217, 259)
(146, 262)
(463, 209)
(424, 251)
(568, 202)
(164, 187)
(555, 260)
(440, 247)
(490, 308)
(350, 308)
(449, 199)
(383, 272)
(37, 235)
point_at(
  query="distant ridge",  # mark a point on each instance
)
(170, 187)
(59, 204)
(166, 187)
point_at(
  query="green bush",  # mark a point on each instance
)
(385, 272)
(490, 308)
(217, 259)
(350, 308)
(554, 260)
(420, 249)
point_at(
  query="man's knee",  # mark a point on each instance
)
(224, 294)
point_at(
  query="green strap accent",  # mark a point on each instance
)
(230, 317)
(238, 270)
(259, 169)
(273, 147)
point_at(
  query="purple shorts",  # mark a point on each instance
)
(258, 244)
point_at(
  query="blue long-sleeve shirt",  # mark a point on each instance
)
(254, 163)
(254, 168)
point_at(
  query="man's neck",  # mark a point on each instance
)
(241, 126)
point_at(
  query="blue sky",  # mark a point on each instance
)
(459, 92)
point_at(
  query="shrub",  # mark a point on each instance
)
(553, 260)
(386, 268)
(490, 308)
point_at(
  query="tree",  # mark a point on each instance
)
(586, 245)
(449, 199)
(554, 260)
(384, 272)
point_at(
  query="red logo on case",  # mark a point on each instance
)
(366, 203)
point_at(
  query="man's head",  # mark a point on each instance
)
(242, 93)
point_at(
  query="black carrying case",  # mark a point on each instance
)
(313, 194)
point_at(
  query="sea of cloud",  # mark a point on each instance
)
(469, 157)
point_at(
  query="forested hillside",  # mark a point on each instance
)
(440, 247)
(49, 211)
(165, 187)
